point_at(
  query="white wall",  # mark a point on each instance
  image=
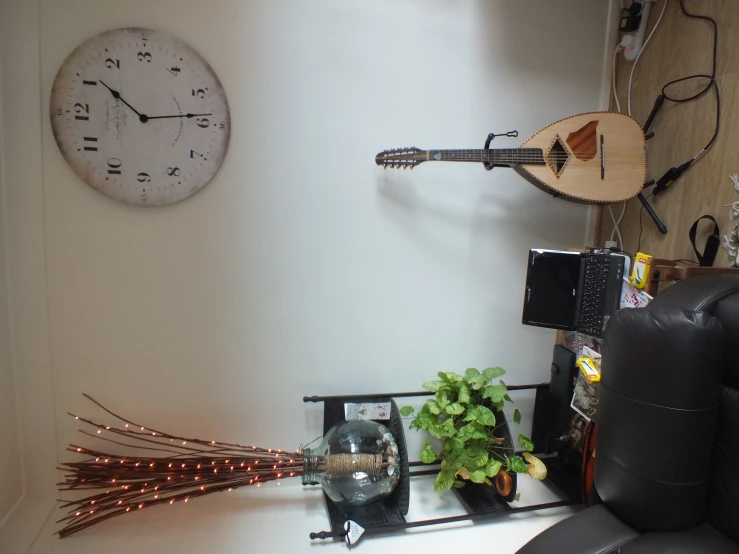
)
(309, 273)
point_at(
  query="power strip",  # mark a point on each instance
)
(633, 41)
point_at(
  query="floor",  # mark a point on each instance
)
(681, 47)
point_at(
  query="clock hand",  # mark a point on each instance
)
(142, 117)
(188, 115)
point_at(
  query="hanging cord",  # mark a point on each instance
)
(711, 80)
(617, 222)
(675, 172)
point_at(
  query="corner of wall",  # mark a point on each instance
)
(24, 249)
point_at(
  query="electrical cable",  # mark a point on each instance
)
(711, 80)
(675, 172)
(636, 61)
(616, 223)
(613, 79)
(616, 229)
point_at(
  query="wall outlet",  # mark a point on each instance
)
(611, 244)
(633, 45)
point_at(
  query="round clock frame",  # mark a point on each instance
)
(140, 116)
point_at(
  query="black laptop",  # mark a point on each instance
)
(574, 291)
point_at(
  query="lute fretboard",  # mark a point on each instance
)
(502, 156)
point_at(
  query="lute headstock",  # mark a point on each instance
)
(401, 157)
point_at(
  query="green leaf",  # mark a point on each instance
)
(515, 463)
(405, 411)
(466, 431)
(449, 376)
(433, 407)
(477, 476)
(472, 414)
(516, 416)
(478, 382)
(499, 405)
(454, 409)
(485, 416)
(470, 374)
(434, 386)
(508, 399)
(477, 446)
(526, 442)
(469, 463)
(444, 480)
(493, 372)
(427, 455)
(459, 484)
(442, 398)
(442, 430)
(453, 447)
(492, 468)
(464, 394)
(495, 392)
(448, 429)
(482, 460)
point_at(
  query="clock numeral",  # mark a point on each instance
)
(222, 126)
(110, 63)
(59, 110)
(144, 37)
(144, 197)
(193, 154)
(91, 148)
(203, 122)
(174, 70)
(82, 109)
(114, 164)
(91, 83)
(144, 56)
(173, 171)
(200, 93)
(143, 178)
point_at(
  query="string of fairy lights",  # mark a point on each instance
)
(182, 468)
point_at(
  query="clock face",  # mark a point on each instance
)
(140, 116)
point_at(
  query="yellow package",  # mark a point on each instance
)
(589, 369)
(641, 271)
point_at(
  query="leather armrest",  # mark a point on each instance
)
(700, 294)
(592, 531)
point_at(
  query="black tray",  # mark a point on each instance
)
(391, 509)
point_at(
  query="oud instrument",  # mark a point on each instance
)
(597, 157)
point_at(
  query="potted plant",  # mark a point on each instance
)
(462, 415)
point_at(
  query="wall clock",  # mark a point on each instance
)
(140, 116)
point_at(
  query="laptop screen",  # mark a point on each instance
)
(551, 289)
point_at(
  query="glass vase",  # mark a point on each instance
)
(356, 464)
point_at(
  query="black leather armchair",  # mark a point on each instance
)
(667, 453)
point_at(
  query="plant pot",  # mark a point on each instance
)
(503, 484)
(481, 498)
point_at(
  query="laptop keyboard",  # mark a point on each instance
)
(593, 306)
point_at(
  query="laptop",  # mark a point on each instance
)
(574, 291)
